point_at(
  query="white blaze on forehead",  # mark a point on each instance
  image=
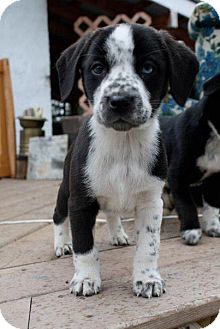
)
(122, 76)
(120, 44)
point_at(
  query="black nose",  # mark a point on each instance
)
(121, 103)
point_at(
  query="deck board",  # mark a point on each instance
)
(21, 241)
(22, 198)
(49, 276)
(116, 307)
(17, 312)
(28, 270)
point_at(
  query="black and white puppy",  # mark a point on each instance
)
(118, 162)
(192, 142)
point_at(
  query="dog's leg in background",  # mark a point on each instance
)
(61, 225)
(186, 209)
(210, 221)
(211, 205)
(117, 234)
(147, 281)
(86, 280)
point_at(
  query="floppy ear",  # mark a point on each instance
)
(183, 67)
(212, 85)
(68, 66)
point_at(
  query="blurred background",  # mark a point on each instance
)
(33, 34)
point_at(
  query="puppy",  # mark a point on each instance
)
(193, 147)
(118, 163)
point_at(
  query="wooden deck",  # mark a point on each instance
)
(34, 285)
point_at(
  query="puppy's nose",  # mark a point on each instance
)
(121, 103)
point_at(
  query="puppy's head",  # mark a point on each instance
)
(126, 70)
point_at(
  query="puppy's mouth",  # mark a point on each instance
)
(122, 125)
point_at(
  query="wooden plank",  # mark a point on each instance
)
(193, 292)
(10, 119)
(188, 314)
(7, 123)
(17, 183)
(206, 321)
(22, 251)
(4, 158)
(17, 312)
(27, 200)
(45, 277)
(11, 233)
(27, 205)
(11, 188)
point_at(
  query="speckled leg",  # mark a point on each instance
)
(147, 281)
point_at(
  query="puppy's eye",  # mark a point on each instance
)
(97, 68)
(148, 68)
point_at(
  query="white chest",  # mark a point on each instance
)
(118, 169)
(209, 163)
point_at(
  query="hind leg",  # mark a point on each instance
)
(62, 238)
(210, 221)
(211, 204)
(117, 234)
(186, 209)
(62, 235)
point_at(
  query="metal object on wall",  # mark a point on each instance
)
(32, 127)
(25, 136)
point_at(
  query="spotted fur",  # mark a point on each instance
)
(86, 280)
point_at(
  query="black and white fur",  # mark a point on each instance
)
(118, 163)
(192, 141)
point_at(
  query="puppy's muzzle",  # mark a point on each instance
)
(121, 104)
(121, 108)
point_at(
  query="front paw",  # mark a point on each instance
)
(84, 286)
(149, 286)
(191, 237)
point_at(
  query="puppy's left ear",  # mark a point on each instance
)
(183, 67)
(68, 67)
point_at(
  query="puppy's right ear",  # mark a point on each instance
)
(183, 67)
(68, 66)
